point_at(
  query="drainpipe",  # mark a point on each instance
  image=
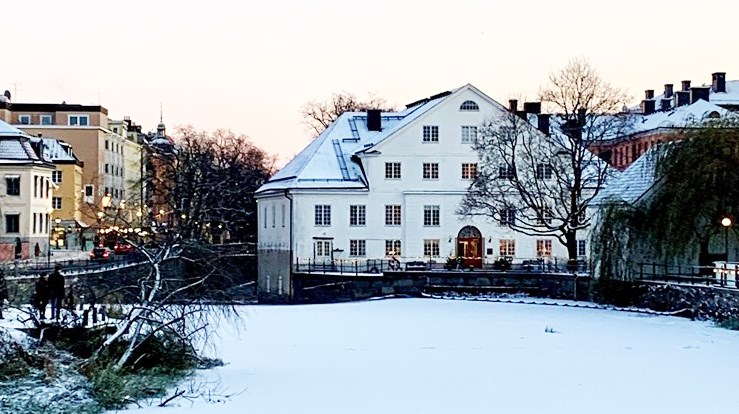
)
(290, 268)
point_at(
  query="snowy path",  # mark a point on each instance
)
(434, 356)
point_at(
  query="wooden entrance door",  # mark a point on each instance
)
(469, 246)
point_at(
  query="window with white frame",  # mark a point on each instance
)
(323, 248)
(543, 171)
(544, 216)
(13, 185)
(357, 248)
(392, 171)
(358, 215)
(469, 171)
(392, 248)
(24, 119)
(581, 248)
(89, 190)
(507, 217)
(56, 177)
(45, 120)
(78, 120)
(107, 144)
(506, 172)
(56, 203)
(431, 215)
(323, 215)
(430, 171)
(469, 106)
(392, 215)
(265, 215)
(274, 215)
(430, 133)
(469, 134)
(507, 247)
(543, 247)
(35, 185)
(282, 207)
(431, 247)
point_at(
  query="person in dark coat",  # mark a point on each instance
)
(41, 295)
(3, 292)
(56, 291)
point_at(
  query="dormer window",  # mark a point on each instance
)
(469, 106)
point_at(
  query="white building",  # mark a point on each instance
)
(375, 185)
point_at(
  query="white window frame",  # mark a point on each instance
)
(469, 134)
(544, 171)
(56, 176)
(431, 216)
(357, 248)
(321, 247)
(322, 215)
(469, 106)
(506, 172)
(26, 117)
(431, 247)
(78, 120)
(393, 215)
(393, 247)
(469, 170)
(430, 134)
(430, 171)
(358, 215)
(46, 120)
(543, 247)
(507, 216)
(56, 203)
(393, 171)
(507, 248)
(582, 248)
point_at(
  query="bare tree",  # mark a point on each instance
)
(319, 115)
(539, 183)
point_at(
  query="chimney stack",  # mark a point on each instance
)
(699, 92)
(374, 120)
(682, 98)
(647, 106)
(532, 107)
(668, 90)
(513, 105)
(649, 94)
(665, 104)
(719, 82)
(542, 121)
(686, 86)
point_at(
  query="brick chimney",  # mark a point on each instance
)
(719, 82)
(686, 86)
(647, 106)
(668, 90)
(699, 92)
(665, 104)
(532, 107)
(513, 105)
(649, 94)
(542, 121)
(682, 98)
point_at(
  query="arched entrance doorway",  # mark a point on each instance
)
(469, 246)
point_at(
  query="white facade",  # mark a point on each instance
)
(288, 202)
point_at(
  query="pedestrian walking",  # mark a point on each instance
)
(56, 291)
(41, 295)
(83, 243)
(3, 292)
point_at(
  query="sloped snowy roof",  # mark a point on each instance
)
(8, 130)
(55, 149)
(16, 150)
(632, 183)
(730, 97)
(327, 161)
(679, 117)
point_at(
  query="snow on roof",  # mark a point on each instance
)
(16, 149)
(8, 130)
(679, 117)
(327, 161)
(730, 97)
(632, 183)
(55, 150)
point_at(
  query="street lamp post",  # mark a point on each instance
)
(726, 222)
(48, 225)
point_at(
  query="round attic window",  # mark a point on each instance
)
(469, 106)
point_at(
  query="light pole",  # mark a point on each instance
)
(57, 221)
(726, 222)
(48, 225)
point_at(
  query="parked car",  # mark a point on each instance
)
(101, 253)
(123, 248)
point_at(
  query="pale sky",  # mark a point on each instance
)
(249, 66)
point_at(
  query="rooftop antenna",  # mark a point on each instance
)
(161, 117)
(15, 89)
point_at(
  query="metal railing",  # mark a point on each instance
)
(722, 274)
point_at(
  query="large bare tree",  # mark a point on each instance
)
(319, 115)
(540, 183)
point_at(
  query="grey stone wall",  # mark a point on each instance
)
(274, 282)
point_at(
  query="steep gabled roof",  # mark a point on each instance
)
(328, 162)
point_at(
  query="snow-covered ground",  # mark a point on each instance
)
(438, 356)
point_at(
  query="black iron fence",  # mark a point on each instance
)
(34, 268)
(376, 266)
(724, 274)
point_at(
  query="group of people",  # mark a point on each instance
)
(52, 291)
